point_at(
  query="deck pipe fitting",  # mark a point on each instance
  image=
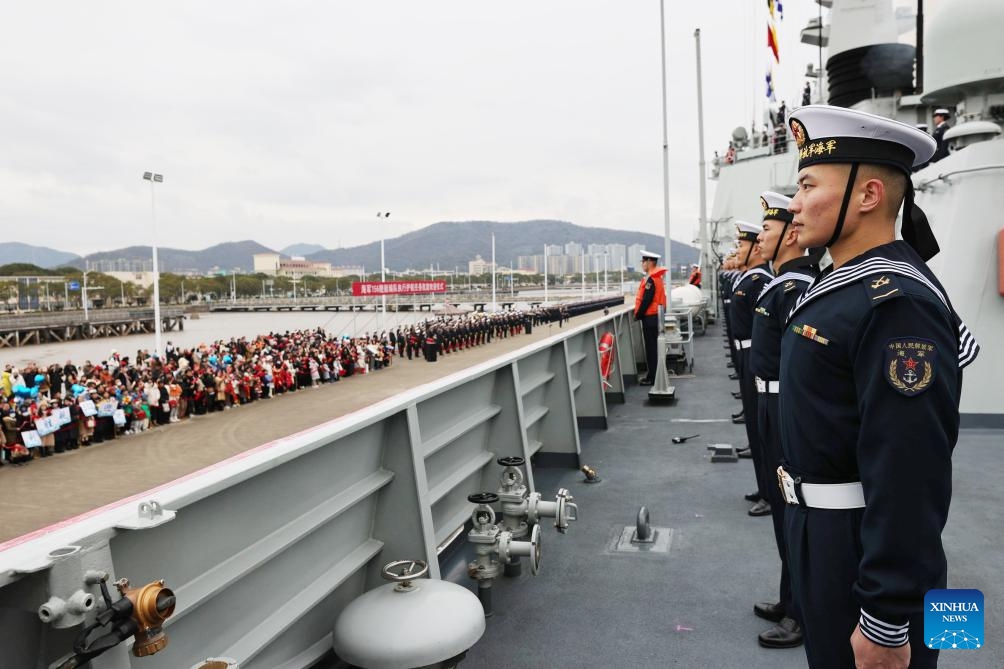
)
(152, 604)
(62, 613)
(522, 510)
(491, 541)
(138, 612)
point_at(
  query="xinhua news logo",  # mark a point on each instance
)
(953, 619)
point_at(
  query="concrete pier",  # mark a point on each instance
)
(50, 490)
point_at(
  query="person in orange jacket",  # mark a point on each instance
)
(695, 275)
(651, 296)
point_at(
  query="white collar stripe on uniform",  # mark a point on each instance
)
(969, 348)
(759, 269)
(790, 275)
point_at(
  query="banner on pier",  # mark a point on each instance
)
(372, 288)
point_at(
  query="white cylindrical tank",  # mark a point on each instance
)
(414, 623)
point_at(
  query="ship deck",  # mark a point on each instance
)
(591, 606)
(692, 606)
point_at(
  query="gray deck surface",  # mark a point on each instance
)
(692, 607)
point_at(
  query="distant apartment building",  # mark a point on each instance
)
(634, 255)
(141, 279)
(576, 258)
(479, 265)
(120, 265)
(531, 264)
(617, 253)
(273, 264)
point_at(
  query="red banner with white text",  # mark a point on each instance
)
(370, 288)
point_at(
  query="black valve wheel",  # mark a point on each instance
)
(483, 498)
(511, 461)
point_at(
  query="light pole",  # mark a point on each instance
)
(155, 178)
(83, 297)
(383, 267)
(545, 274)
(665, 160)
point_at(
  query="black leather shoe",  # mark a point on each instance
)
(729, 365)
(747, 453)
(738, 415)
(768, 611)
(755, 497)
(786, 634)
(737, 396)
(733, 376)
(739, 420)
(761, 508)
(645, 382)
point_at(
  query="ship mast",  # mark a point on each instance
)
(665, 160)
(704, 260)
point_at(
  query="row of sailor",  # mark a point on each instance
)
(851, 380)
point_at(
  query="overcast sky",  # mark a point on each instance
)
(297, 121)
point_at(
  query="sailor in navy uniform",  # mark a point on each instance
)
(795, 271)
(748, 287)
(941, 117)
(728, 284)
(871, 375)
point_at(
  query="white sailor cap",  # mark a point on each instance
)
(941, 111)
(825, 134)
(775, 206)
(747, 232)
(650, 255)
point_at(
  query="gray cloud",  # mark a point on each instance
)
(297, 121)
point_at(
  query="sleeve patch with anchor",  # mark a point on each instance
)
(909, 364)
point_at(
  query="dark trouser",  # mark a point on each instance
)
(650, 334)
(770, 438)
(823, 556)
(747, 384)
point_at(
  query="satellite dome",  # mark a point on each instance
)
(963, 46)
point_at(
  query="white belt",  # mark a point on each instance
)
(820, 495)
(742, 343)
(762, 386)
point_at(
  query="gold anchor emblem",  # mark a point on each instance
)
(879, 282)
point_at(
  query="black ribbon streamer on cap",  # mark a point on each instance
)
(916, 228)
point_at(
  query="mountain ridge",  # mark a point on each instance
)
(444, 245)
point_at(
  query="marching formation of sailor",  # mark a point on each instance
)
(850, 381)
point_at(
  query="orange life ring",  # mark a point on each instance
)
(606, 355)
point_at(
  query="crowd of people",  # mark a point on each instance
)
(52, 409)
